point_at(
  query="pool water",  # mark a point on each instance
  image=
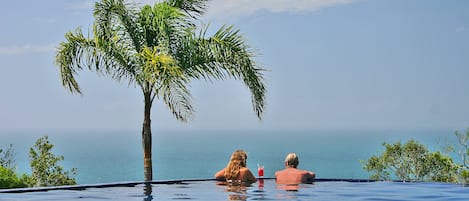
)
(262, 190)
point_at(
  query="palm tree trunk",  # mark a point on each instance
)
(146, 139)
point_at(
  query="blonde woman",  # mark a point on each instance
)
(236, 170)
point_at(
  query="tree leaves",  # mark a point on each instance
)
(157, 45)
(7, 158)
(157, 49)
(45, 168)
(411, 161)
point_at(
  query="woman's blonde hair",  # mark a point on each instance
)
(237, 161)
(292, 160)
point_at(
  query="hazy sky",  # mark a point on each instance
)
(333, 64)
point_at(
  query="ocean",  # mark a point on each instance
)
(104, 157)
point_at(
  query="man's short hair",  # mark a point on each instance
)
(292, 160)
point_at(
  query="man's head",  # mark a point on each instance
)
(291, 160)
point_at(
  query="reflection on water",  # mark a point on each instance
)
(293, 187)
(288, 187)
(235, 191)
(147, 191)
(238, 191)
(269, 190)
(261, 183)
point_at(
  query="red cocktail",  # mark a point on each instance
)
(260, 170)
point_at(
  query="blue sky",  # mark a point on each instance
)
(335, 64)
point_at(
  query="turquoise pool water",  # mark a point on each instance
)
(211, 190)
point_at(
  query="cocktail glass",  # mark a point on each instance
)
(260, 170)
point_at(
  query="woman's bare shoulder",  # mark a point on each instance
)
(244, 169)
(220, 174)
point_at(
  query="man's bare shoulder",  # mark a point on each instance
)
(308, 174)
(279, 172)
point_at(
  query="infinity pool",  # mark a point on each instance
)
(262, 190)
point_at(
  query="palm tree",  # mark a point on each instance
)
(159, 50)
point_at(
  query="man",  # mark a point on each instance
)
(292, 175)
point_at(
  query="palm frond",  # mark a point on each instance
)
(159, 66)
(177, 97)
(157, 47)
(193, 8)
(224, 55)
(163, 25)
(167, 80)
(69, 58)
(238, 59)
(120, 37)
(119, 61)
(116, 18)
(78, 52)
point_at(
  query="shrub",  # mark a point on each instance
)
(45, 168)
(441, 168)
(411, 162)
(7, 158)
(464, 154)
(8, 179)
(463, 147)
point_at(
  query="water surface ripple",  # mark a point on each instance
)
(211, 190)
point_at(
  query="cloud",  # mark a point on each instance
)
(238, 8)
(15, 50)
(150, 2)
(83, 5)
(461, 29)
(43, 20)
(89, 4)
(219, 9)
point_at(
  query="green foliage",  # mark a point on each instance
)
(45, 168)
(160, 50)
(9, 179)
(376, 165)
(464, 176)
(7, 158)
(44, 165)
(411, 162)
(441, 168)
(464, 147)
(463, 152)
